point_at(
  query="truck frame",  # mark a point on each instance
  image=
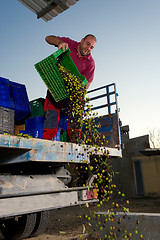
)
(34, 177)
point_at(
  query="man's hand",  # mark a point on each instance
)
(62, 45)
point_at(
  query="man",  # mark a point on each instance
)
(81, 55)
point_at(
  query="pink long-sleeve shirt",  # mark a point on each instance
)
(86, 64)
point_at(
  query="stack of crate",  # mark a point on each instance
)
(34, 124)
(14, 105)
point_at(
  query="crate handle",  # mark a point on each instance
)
(60, 51)
(84, 81)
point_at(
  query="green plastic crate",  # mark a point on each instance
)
(37, 107)
(51, 76)
(64, 137)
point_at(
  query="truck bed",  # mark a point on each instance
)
(14, 149)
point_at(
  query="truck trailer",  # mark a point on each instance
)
(35, 176)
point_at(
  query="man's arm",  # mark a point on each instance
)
(53, 40)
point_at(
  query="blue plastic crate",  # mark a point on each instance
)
(37, 133)
(19, 96)
(34, 123)
(63, 122)
(58, 135)
(34, 127)
(14, 96)
(5, 100)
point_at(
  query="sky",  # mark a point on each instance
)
(127, 51)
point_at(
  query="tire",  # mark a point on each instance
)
(20, 228)
(42, 221)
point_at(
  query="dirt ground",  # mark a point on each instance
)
(68, 223)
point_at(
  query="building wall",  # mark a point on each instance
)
(150, 174)
(126, 178)
(138, 175)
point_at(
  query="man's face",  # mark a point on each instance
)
(86, 46)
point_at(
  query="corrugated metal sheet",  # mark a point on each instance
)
(48, 9)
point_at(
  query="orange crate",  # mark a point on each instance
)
(18, 128)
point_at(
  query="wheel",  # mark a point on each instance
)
(41, 223)
(19, 227)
